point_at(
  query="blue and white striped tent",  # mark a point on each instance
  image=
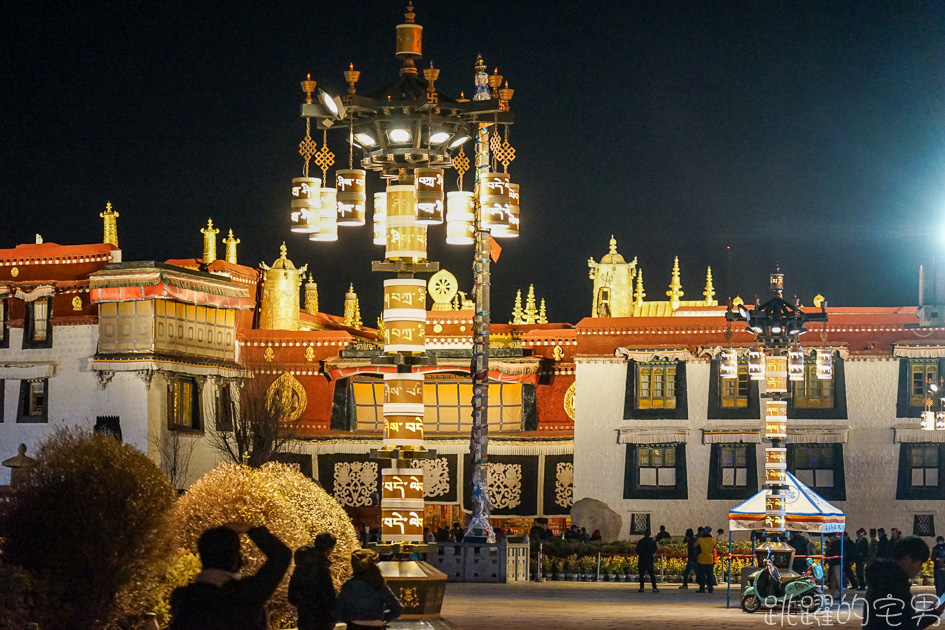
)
(805, 511)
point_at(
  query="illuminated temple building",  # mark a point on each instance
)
(623, 412)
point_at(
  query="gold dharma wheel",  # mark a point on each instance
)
(569, 401)
(442, 289)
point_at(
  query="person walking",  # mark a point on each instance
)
(219, 597)
(705, 561)
(311, 589)
(862, 554)
(691, 553)
(889, 602)
(848, 550)
(365, 601)
(938, 565)
(662, 534)
(883, 546)
(646, 558)
(799, 542)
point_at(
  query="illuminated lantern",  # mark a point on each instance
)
(405, 238)
(460, 218)
(512, 231)
(728, 364)
(774, 511)
(795, 364)
(429, 183)
(775, 419)
(351, 196)
(756, 365)
(306, 202)
(402, 504)
(328, 225)
(402, 525)
(405, 315)
(380, 218)
(403, 394)
(928, 421)
(940, 421)
(494, 201)
(776, 458)
(824, 365)
(776, 373)
(401, 202)
(775, 476)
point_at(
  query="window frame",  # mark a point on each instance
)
(225, 411)
(174, 389)
(839, 409)
(24, 413)
(632, 411)
(905, 407)
(29, 324)
(633, 489)
(4, 321)
(715, 409)
(715, 490)
(838, 492)
(904, 488)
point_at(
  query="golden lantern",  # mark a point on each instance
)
(756, 365)
(795, 364)
(402, 525)
(401, 202)
(403, 430)
(775, 419)
(460, 218)
(776, 374)
(494, 201)
(825, 365)
(429, 184)
(380, 218)
(405, 315)
(328, 222)
(728, 364)
(775, 476)
(403, 394)
(512, 230)
(351, 196)
(776, 458)
(306, 202)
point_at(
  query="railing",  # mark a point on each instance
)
(474, 562)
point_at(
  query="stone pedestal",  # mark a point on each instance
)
(419, 586)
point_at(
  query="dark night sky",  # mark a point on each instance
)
(812, 134)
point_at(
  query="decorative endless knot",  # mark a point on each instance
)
(461, 162)
(505, 154)
(324, 160)
(307, 148)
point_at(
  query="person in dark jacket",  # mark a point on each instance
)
(799, 542)
(888, 598)
(311, 589)
(938, 565)
(646, 557)
(691, 566)
(883, 546)
(365, 601)
(862, 554)
(662, 534)
(219, 598)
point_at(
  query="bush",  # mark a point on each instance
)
(90, 525)
(17, 603)
(292, 506)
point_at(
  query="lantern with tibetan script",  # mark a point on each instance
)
(728, 364)
(824, 365)
(406, 239)
(429, 182)
(402, 504)
(756, 365)
(403, 409)
(328, 225)
(460, 218)
(351, 196)
(405, 315)
(380, 218)
(494, 201)
(306, 203)
(928, 421)
(776, 374)
(775, 512)
(775, 419)
(795, 364)
(512, 230)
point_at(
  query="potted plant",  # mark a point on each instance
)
(620, 565)
(608, 568)
(571, 567)
(588, 568)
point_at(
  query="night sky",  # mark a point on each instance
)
(810, 134)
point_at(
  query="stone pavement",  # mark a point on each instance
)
(609, 606)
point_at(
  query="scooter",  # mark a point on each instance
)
(768, 590)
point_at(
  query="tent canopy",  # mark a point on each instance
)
(806, 511)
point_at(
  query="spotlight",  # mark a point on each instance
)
(459, 141)
(399, 136)
(439, 137)
(365, 139)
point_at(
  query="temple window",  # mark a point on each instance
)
(183, 404)
(812, 392)
(37, 331)
(34, 401)
(920, 471)
(819, 466)
(733, 392)
(922, 372)
(655, 471)
(656, 386)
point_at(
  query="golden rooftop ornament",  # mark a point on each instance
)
(442, 288)
(675, 288)
(111, 225)
(638, 295)
(531, 311)
(231, 244)
(709, 292)
(542, 317)
(517, 309)
(209, 242)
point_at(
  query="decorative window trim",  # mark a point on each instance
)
(29, 325)
(905, 491)
(632, 488)
(904, 406)
(715, 489)
(680, 411)
(23, 414)
(839, 490)
(196, 411)
(839, 409)
(717, 412)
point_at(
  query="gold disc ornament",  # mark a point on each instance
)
(569, 401)
(442, 289)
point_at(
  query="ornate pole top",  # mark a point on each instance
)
(308, 86)
(111, 225)
(709, 292)
(638, 295)
(675, 287)
(231, 244)
(283, 252)
(613, 244)
(410, 16)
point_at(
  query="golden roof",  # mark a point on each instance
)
(612, 257)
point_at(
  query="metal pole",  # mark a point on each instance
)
(728, 592)
(842, 572)
(540, 549)
(823, 600)
(598, 566)
(479, 524)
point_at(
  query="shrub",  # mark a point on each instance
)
(89, 525)
(291, 505)
(17, 602)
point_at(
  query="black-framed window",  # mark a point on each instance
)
(920, 471)
(34, 401)
(914, 377)
(923, 525)
(3, 393)
(733, 471)
(656, 389)
(819, 466)
(639, 523)
(815, 399)
(655, 471)
(225, 408)
(37, 329)
(108, 425)
(183, 404)
(732, 398)
(4, 318)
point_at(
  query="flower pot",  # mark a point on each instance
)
(621, 577)
(573, 576)
(611, 577)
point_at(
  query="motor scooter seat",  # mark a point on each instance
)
(785, 580)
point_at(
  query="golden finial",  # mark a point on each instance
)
(209, 242)
(738, 301)
(410, 15)
(283, 251)
(709, 292)
(818, 300)
(231, 244)
(542, 317)
(531, 312)
(381, 330)
(111, 225)
(613, 244)
(495, 80)
(352, 76)
(431, 74)
(352, 309)
(638, 295)
(517, 310)
(308, 86)
(311, 296)
(675, 288)
(480, 64)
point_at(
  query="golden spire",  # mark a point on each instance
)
(675, 288)
(209, 242)
(531, 312)
(709, 292)
(542, 317)
(283, 252)
(352, 309)
(231, 244)
(311, 296)
(111, 224)
(517, 311)
(638, 295)
(613, 244)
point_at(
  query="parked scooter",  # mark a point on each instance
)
(769, 591)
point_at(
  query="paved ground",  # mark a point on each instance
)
(609, 606)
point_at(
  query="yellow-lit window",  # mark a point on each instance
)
(734, 391)
(921, 371)
(812, 392)
(656, 386)
(40, 310)
(183, 404)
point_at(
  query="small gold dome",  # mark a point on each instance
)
(612, 256)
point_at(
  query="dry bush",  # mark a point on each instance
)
(90, 525)
(293, 507)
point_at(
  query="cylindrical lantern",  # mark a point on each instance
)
(795, 364)
(409, 41)
(775, 477)
(940, 421)
(404, 315)
(401, 201)
(824, 365)
(405, 239)
(380, 218)
(351, 196)
(494, 201)
(306, 201)
(776, 458)
(775, 419)
(928, 421)
(402, 525)
(429, 183)
(460, 218)
(328, 225)
(403, 394)
(403, 430)
(775, 512)
(728, 364)
(756, 365)
(404, 336)
(512, 231)
(776, 374)
(401, 487)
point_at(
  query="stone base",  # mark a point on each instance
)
(420, 588)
